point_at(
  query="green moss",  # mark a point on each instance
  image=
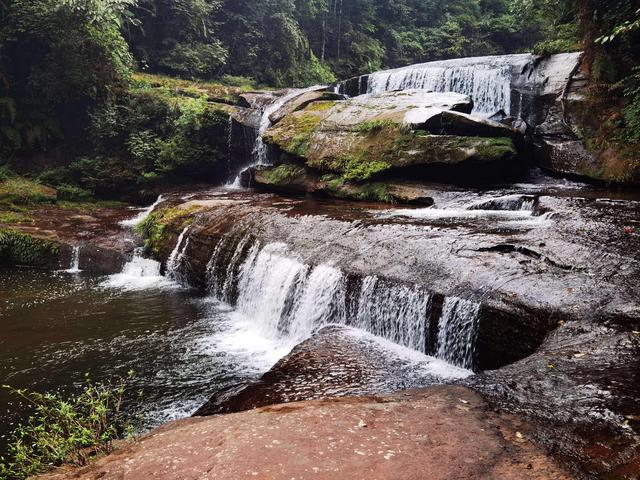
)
(154, 229)
(17, 248)
(359, 167)
(22, 191)
(283, 174)
(339, 187)
(373, 126)
(496, 148)
(320, 106)
(9, 217)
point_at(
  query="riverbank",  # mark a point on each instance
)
(439, 433)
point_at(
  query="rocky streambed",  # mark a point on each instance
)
(400, 251)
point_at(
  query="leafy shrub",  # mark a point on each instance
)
(65, 430)
(632, 111)
(73, 193)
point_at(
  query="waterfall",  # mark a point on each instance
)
(143, 215)
(177, 255)
(260, 150)
(74, 267)
(458, 332)
(288, 299)
(487, 80)
(396, 312)
(138, 274)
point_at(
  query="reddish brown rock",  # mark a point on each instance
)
(439, 433)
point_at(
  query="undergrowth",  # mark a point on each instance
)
(66, 430)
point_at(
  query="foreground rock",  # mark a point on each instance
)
(439, 433)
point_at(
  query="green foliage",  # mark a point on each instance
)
(283, 174)
(631, 131)
(61, 430)
(18, 248)
(22, 191)
(58, 59)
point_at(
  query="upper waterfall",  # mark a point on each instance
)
(520, 85)
(487, 80)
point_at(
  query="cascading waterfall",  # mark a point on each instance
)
(289, 299)
(458, 331)
(396, 312)
(487, 80)
(177, 255)
(260, 149)
(75, 261)
(143, 215)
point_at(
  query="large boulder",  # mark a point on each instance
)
(374, 136)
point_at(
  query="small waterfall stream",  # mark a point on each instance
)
(75, 260)
(260, 150)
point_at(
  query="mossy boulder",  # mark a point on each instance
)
(374, 136)
(296, 179)
(21, 249)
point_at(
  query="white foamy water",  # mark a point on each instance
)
(139, 274)
(487, 80)
(523, 217)
(75, 261)
(143, 215)
(428, 364)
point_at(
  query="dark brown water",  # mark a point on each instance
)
(57, 327)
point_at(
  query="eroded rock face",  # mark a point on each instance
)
(295, 179)
(544, 97)
(403, 436)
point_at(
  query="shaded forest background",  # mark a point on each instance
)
(74, 112)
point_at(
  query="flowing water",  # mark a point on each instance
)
(260, 150)
(487, 80)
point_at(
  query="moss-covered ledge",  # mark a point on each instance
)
(296, 179)
(22, 249)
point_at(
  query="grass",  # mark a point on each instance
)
(22, 191)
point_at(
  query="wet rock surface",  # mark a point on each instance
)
(553, 266)
(335, 362)
(105, 244)
(409, 436)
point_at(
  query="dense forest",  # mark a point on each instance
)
(66, 66)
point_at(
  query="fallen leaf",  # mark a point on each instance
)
(580, 355)
(520, 437)
(463, 401)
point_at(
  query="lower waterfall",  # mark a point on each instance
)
(289, 300)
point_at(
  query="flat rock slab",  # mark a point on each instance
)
(439, 433)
